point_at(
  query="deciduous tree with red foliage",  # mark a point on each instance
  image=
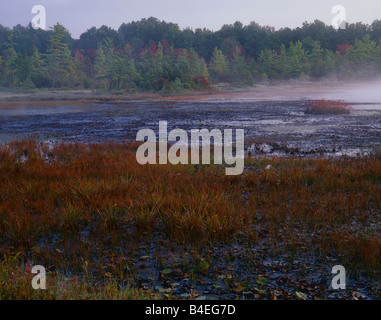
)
(342, 48)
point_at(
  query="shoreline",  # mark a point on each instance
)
(291, 91)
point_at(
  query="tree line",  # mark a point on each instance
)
(155, 55)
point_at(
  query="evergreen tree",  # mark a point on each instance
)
(296, 62)
(183, 70)
(270, 64)
(22, 71)
(329, 62)
(316, 59)
(60, 57)
(2, 72)
(239, 69)
(100, 69)
(37, 69)
(103, 58)
(122, 74)
(10, 62)
(147, 69)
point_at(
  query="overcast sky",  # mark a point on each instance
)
(79, 15)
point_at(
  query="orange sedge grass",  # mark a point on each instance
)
(93, 199)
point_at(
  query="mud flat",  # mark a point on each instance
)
(273, 117)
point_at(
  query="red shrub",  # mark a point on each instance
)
(327, 107)
(201, 80)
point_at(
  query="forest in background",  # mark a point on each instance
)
(153, 55)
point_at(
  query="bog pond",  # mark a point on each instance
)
(271, 127)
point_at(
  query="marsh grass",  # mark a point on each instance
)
(90, 205)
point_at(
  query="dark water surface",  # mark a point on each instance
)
(271, 127)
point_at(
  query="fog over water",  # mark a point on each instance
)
(360, 92)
